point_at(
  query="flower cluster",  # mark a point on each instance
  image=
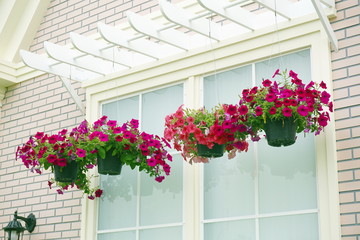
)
(47, 151)
(86, 143)
(135, 148)
(305, 104)
(188, 127)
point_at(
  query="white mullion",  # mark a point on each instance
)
(138, 203)
(200, 170)
(128, 229)
(266, 215)
(256, 169)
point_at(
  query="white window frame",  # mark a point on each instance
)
(296, 35)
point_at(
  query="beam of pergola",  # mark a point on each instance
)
(148, 40)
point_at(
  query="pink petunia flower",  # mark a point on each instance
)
(80, 152)
(287, 112)
(302, 110)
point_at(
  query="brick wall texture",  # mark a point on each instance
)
(346, 81)
(43, 104)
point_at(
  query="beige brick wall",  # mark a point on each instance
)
(346, 77)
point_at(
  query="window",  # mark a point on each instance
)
(135, 206)
(267, 193)
(270, 193)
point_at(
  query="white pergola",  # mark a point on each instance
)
(179, 28)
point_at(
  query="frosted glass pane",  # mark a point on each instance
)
(299, 62)
(229, 186)
(297, 227)
(122, 110)
(162, 202)
(157, 104)
(117, 236)
(117, 206)
(225, 87)
(173, 233)
(234, 230)
(287, 176)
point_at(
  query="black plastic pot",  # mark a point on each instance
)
(110, 165)
(67, 173)
(281, 132)
(215, 152)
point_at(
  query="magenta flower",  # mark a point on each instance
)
(266, 83)
(98, 193)
(270, 97)
(53, 139)
(325, 97)
(103, 137)
(61, 162)
(323, 85)
(231, 110)
(258, 111)
(287, 112)
(159, 179)
(39, 135)
(117, 130)
(243, 109)
(134, 123)
(111, 123)
(59, 191)
(51, 158)
(80, 152)
(151, 162)
(272, 110)
(302, 110)
(322, 120)
(276, 73)
(89, 166)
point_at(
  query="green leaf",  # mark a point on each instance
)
(102, 152)
(132, 166)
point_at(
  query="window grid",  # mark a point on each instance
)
(137, 228)
(257, 216)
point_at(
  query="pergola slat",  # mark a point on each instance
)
(97, 49)
(237, 15)
(154, 30)
(43, 63)
(190, 21)
(65, 55)
(121, 38)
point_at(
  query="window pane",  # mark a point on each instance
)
(122, 110)
(157, 104)
(296, 227)
(161, 203)
(287, 176)
(229, 186)
(117, 236)
(173, 233)
(225, 87)
(299, 62)
(117, 207)
(233, 230)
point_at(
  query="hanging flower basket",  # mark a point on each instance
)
(67, 173)
(299, 106)
(216, 151)
(192, 130)
(281, 132)
(110, 165)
